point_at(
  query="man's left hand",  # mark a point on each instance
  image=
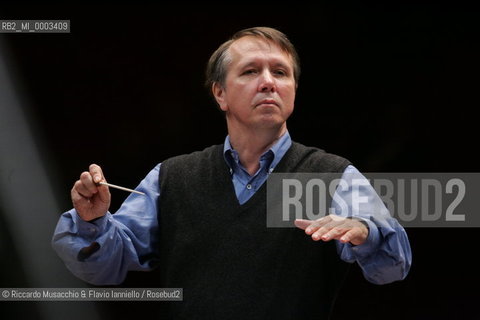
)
(335, 227)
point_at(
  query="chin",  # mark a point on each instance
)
(270, 122)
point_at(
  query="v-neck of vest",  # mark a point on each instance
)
(290, 161)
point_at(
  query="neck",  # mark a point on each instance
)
(251, 144)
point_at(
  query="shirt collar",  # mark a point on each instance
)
(277, 150)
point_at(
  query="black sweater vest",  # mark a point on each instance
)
(229, 264)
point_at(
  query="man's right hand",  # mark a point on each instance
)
(89, 199)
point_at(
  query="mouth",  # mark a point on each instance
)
(267, 103)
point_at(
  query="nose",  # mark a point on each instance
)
(266, 82)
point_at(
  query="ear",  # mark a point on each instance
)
(219, 94)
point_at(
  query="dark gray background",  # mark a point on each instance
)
(390, 88)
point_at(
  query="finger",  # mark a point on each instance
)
(82, 190)
(315, 225)
(104, 193)
(335, 233)
(349, 236)
(335, 229)
(96, 173)
(322, 232)
(302, 223)
(332, 230)
(87, 182)
(76, 197)
(319, 223)
(335, 217)
(80, 203)
(356, 236)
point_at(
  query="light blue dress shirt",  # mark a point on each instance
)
(125, 238)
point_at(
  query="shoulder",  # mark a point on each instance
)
(192, 161)
(318, 159)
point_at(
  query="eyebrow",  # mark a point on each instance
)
(254, 63)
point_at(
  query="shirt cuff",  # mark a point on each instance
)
(90, 229)
(371, 244)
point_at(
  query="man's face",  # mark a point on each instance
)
(260, 86)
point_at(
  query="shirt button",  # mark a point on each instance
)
(231, 170)
(92, 230)
(249, 186)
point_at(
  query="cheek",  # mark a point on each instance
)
(234, 88)
(242, 92)
(288, 94)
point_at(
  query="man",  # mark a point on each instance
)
(203, 223)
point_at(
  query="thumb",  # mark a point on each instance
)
(103, 193)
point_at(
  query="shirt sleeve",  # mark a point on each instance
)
(103, 251)
(386, 255)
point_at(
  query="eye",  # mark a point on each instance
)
(280, 72)
(249, 71)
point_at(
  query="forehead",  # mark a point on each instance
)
(249, 48)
